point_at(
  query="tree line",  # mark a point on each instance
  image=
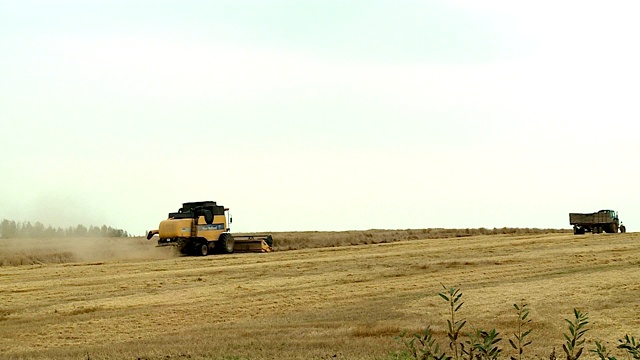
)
(11, 229)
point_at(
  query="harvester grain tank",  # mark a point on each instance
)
(201, 228)
(596, 223)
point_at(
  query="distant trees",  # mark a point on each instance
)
(11, 229)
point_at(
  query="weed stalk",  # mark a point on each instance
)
(487, 344)
(453, 295)
(574, 340)
(520, 341)
(631, 345)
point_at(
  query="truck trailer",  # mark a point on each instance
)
(596, 223)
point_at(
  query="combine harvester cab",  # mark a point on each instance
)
(201, 228)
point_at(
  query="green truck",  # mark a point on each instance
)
(596, 223)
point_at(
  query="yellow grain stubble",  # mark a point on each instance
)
(345, 299)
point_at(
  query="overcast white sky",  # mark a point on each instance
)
(320, 115)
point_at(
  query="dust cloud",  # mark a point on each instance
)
(15, 252)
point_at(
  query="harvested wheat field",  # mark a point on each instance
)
(344, 302)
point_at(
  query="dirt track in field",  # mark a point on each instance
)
(346, 301)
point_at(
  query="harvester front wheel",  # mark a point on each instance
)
(225, 244)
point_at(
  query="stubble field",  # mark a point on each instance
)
(125, 299)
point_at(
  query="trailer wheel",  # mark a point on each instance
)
(225, 244)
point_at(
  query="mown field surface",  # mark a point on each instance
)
(125, 299)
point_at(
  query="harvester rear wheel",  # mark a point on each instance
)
(225, 244)
(203, 249)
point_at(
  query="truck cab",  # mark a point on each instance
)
(609, 213)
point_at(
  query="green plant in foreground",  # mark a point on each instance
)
(521, 334)
(472, 339)
(629, 343)
(453, 295)
(632, 347)
(574, 340)
(602, 352)
(484, 345)
(423, 346)
(487, 344)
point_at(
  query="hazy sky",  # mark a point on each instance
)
(320, 115)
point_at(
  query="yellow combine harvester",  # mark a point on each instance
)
(201, 228)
